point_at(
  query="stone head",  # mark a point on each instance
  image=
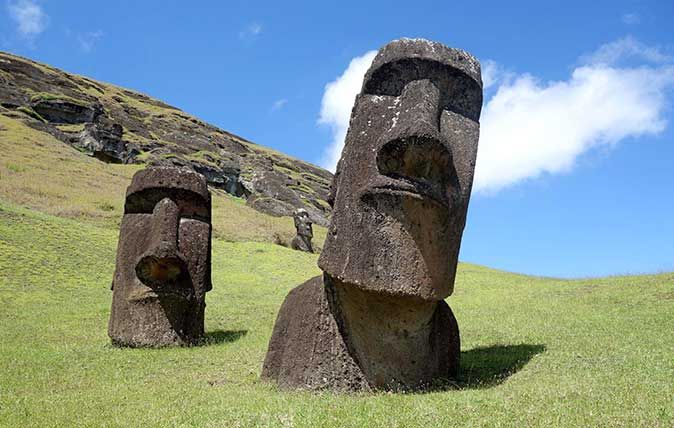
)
(303, 223)
(401, 189)
(163, 259)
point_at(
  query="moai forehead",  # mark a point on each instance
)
(403, 183)
(404, 60)
(151, 185)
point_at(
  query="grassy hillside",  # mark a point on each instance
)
(535, 351)
(40, 172)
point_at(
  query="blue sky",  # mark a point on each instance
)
(576, 163)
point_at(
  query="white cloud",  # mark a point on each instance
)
(87, 41)
(492, 73)
(252, 30)
(279, 104)
(28, 16)
(627, 48)
(631, 18)
(338, 99)
(530, 127)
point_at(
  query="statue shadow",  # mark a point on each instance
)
(489, 366)
(222, 336)
(484, 367)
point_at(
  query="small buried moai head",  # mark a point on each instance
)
(163, 260)
(303, 223)
(302, 241)
(401, 189)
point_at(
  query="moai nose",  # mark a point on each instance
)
(162, 263)
(420, 110)
(165, 222)
(413, 148)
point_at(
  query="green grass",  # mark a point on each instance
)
(75, 127)
(535, 351)
(32, 113)
(46, 96)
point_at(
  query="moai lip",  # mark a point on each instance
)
(305, 232)
(163, 260)
(377, 319)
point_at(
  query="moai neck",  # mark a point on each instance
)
(390, 337)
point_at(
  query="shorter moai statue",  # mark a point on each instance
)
(163, 260)
(302, 241)
(377, 317)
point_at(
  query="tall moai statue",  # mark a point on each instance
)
(376, 318)
(163, 260)
(302, 240)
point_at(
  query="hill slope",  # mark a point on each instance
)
(117, 125)
(535, 351)
(39, 172)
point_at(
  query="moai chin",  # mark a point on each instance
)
(302, 240)
(163, 260)
(377, 318)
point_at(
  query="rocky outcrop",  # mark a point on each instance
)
(222, 174)
(103, 140)
(59, 110)
(121, 126)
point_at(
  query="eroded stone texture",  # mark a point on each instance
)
(163, 260)
(377, 318)
(302, 240)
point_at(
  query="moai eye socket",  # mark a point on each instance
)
(191, 204)
(458, 92)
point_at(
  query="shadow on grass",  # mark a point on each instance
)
(222, 336)
(484, 367)
(491, 365)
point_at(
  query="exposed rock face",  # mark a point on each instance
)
(79, 111)
(103, 140)
(163, 260)
(302, 240)
(273, 193)
(400, 195)
(225, 175)
(65, 111)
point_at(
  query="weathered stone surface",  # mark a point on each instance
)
(273, 194)
(400, 196)
(163, 260)
(302, 240)
(154, 132)
(103, 140)
(406, 172)
(226, 175)
(65, 111)
(314, 344)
